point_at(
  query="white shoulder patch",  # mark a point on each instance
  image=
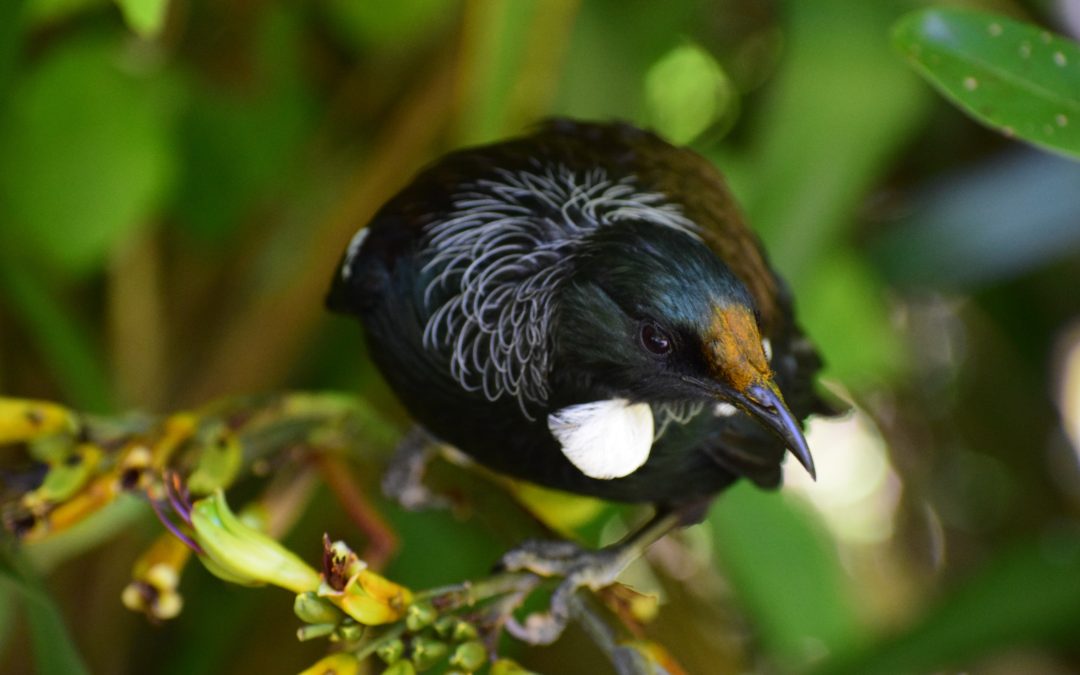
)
(604, 439)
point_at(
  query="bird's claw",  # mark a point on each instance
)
(580, 568)
(547, 558)
(403, 480)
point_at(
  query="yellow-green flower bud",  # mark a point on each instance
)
(469, 656)
(444, 626)
(463, 630)
(426, 652)
(509, 667)
(341, 663)
(653, 655)
(310, 608)
(369, 598)
(400, 668)
(419, 616)
(313, 631)
(350, 631)
(391, 652)
(23, 420)
(240, 552)
(220, 459)
(156, 577)
(68, 473)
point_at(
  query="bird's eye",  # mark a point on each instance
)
(655, 340)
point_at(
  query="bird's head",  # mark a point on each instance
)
(652, 313)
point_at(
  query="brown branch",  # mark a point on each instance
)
(382, 543)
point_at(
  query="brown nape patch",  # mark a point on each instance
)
(733, 348)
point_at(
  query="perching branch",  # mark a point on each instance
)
(73, 465)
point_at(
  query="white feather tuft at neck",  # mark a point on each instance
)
(604, 439)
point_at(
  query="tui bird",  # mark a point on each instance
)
(585, 308)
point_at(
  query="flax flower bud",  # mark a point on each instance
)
(239, 553)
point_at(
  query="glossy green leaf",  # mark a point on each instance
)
(1014, 77)
(786, 573)
(145, 17)
(85, 156)
(55, 652)
(1028, 596)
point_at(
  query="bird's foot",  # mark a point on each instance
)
(578, 567)
(403, 480)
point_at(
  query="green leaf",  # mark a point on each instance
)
(48, 11)
(238, 147)
(12, 18)
(686, 92)
(841, 109)
(7, 618)
(386, 25)
(86, 156)
(1027, 596)
(55, 652)
(844, 306)
(145, 17)
(612, 45)
(1011, 76)
(786, 574)
(496, 52)
(962, 234)
(64, 342)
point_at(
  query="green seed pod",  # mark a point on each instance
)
(349, 632)
(469, 656)
(310, 608)
(444, 626)
(400, 668)
(508, 667)
(313, 631)
(391, 652)
(463, 630)
(426, 652)
(419, 616)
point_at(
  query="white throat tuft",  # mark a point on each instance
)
(604, 439)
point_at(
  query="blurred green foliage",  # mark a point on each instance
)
(178, 178)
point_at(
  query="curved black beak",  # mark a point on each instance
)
(766, 404)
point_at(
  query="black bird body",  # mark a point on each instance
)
(524, 298)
